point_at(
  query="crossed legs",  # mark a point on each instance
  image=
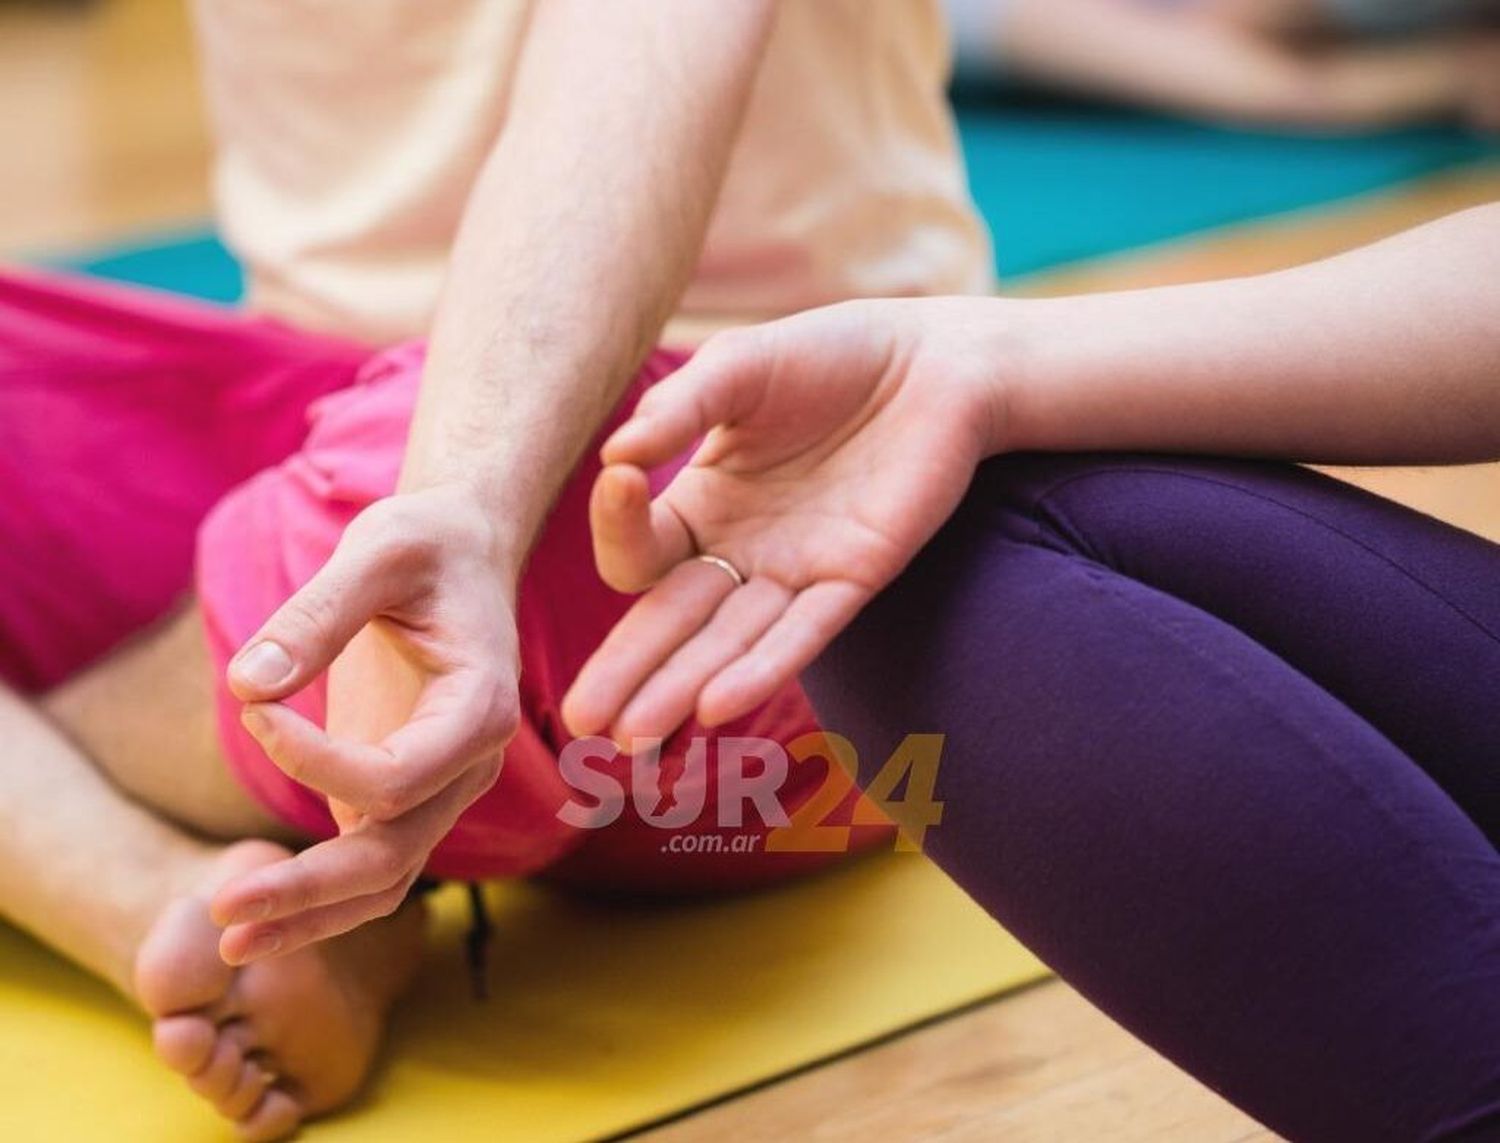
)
(124, 819)
(123, 418)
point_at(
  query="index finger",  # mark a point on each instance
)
(653, 629)
(728, 374)
(364, 863)
(457, 720)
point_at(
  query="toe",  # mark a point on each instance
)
(275, 1117)
(242, 1035)
(247, 1093)
(178, 967)
(184, 1043)
(217, 1080)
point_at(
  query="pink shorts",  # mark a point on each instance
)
(136, 429)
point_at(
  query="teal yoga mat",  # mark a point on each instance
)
(193, 263)
(1063, 184)
(1058, 184)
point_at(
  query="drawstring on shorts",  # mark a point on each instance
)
(477, 940)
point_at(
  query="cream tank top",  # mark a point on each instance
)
(348, 136)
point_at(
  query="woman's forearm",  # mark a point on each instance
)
(1390, 354)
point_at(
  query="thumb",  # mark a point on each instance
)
(309, 630)
(636, 540)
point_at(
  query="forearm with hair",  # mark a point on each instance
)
(578, 240)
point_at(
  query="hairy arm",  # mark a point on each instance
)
(1387, 355)
(579, 236)
(578, 240)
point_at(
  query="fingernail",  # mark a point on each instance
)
(264, 665)
(254, 910)
(263, 945)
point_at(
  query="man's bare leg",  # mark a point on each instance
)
(164, 752)
(119, 882)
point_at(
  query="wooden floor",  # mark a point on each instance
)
(102, 107)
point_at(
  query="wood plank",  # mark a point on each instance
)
(1042, 1064)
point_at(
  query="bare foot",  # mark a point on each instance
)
(283, 1039)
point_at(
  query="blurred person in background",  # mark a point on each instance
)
(1339, 64)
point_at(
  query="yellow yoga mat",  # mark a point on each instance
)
(602, 1018)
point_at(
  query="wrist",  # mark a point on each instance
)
(1052, 349)
(506, 542)
(1011, 376)
(459, 486)
(459, 511)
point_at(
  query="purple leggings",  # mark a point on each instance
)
(1223, 748)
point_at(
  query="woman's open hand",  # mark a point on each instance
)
(837, 442)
